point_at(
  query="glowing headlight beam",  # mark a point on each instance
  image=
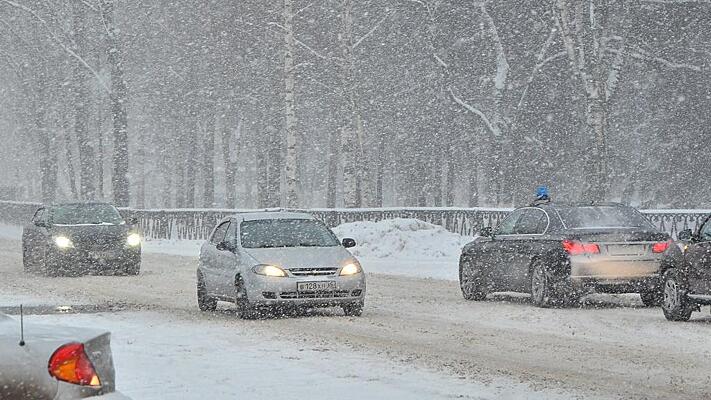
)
(133, 239)
(350, 269)
(269, 270)
(63, 242)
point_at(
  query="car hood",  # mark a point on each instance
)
(302, 257)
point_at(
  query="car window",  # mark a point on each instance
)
(39, 214)
(231, 235)
(601, 217)
(86, 214)
(219, 234)
(533, 222)
(286, 233)
(506, 227)
(706, 231)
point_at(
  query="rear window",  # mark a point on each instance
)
(595, 217)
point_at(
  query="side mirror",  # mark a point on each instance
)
(686, 235)
(132, 221)
(41, 224)
(225, 246)
(348, 242)
(487, 232)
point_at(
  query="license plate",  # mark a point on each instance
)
(101, 255)
(327, 286)
(626, 250)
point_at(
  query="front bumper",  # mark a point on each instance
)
(271, 291)
(104, 259)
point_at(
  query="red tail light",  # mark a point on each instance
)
(70, 363)
(575, 248)
(660, 247)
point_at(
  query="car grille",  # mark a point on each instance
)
(316, 271)
(99, 244)
(314, 295)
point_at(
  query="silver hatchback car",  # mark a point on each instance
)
(278, 259)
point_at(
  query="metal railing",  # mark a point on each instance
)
(196, 224)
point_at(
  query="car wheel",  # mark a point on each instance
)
(471, 282)
(353, 309)
(246, 309)
(542, 294)
(132, 269)
(675, 304)
(651, 299)
(26, 262)
(205, 302)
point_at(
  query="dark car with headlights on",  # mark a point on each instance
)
(79, 238)
(559, 252)
(686, 281)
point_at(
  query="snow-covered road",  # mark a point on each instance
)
(418, 339)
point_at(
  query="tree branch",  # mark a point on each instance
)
(491, 127)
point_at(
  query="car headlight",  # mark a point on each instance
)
(351, 269)
(133, 239)
(269, 270)
(63, 242)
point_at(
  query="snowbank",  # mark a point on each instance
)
(403, 238)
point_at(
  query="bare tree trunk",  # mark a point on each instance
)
(190, 167)
(228, 164)
(47, 158)
(208, 161)
(119, 104)
(87, 178)
(290, 162)
(333, 157)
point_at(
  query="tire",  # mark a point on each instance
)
(652, 299)
(542, 292)
(26, 262)
(205, 302)
(353, 309)
(132, 269)
(472, 283)
(675, 304)
(246, 309)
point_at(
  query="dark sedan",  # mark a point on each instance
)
(559, 253)
(687, 280)
(75, 238)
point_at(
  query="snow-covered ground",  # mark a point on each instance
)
(159, 356)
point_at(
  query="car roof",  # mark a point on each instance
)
(578, 205)
(255, 216)
(78, 203)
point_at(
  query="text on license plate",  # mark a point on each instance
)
(325, 286)
(101, 255)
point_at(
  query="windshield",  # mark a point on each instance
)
(286, 233)
(86, 214)
(594, 217)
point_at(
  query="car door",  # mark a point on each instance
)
(227, 261)
(522, 245)
(496, 254)
(699, 253)
(209, 258)
(31, 237)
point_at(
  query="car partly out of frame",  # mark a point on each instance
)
(278, 259)
(686, 280)
(76, 238)
(558, 253)
(55, 363)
